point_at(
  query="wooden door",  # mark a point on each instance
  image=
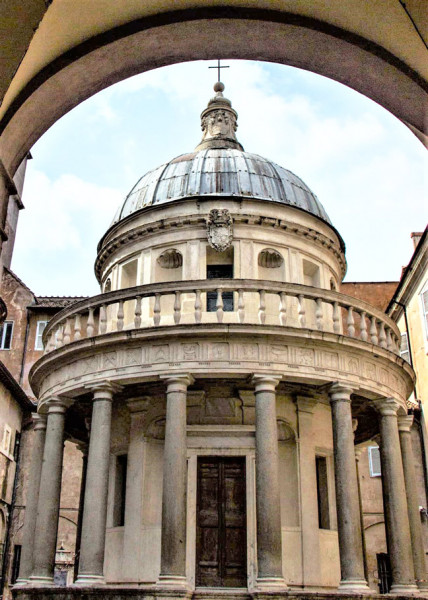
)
(221, 540)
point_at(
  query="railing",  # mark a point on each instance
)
(255, 302)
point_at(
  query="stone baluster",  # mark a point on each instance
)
(301, 310)
(67, 331)
(283, 309)
(389, 343)
(350, 323)
(77, 327)
(173, 542)
(395, 502)
(102, 325)
(262, 306)
(382, 335)
(241, 306)
(59, 336)
(198, 306)
(363, 327)
(336, 317)
(91, 562)
(137, 312)
(348, 510)
(28, 537)
(120, 316)
(404, 428)
(373, 331)
(319, 314)
(177, 308)
(308, 483)
(49, 493)
(219, 306)
(157, 310)
(90, 323)
(268, 509)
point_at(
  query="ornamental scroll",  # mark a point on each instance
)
(219, 229)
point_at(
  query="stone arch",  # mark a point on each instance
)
(207, 33)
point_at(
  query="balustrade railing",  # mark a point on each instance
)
(254, 302)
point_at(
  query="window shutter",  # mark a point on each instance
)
(425, 311)
(374, 461)
(404, 347)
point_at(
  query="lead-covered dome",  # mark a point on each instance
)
(220, 167)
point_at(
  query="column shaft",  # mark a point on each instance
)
(173, 544)
(348, 510)
(404, 427)
(39, 435)
(91, 561)
(395, 502)
(268, 508)
(49, 495)
(84, 450)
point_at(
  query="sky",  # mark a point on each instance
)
(367, 169)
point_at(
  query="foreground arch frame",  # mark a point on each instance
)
(206, 33)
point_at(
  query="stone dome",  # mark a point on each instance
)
(221, 172)
(219, 167)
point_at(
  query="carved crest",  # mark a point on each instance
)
(219, 229)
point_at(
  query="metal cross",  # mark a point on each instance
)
(218, 67)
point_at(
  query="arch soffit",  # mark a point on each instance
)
(177, 36)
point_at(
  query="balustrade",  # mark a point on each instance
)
(294, 306)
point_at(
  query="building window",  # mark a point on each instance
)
(6, 331)
(120, 490)
(7, 437)
(374, 461)
(220, 272)
(404, 347)
(322, 492)
(39, 335)
(16, 563)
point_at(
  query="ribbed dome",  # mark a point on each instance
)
(221, 172)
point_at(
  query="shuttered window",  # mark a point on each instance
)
(404, 347)
(424, 298)
(374, 461)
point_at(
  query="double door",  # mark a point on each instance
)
(221, 540)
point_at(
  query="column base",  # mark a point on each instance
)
(172, 582)
(20, 582)
(40, 581)
(354, 585)
(422, 585)
(274, 584)
(403, 588)
(88, 579)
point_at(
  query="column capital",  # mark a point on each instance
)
(386, 407)
(58, 405)
(39, 421)
(178, 382)
(306, 404)
(338, 392)
(405, 423)
(104, 390)
(265, 382)
(138, 405)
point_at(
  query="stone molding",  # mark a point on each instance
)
(119, 357)
(130, 237)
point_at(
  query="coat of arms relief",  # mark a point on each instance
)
(219, 229)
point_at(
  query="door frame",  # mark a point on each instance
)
(245, 448)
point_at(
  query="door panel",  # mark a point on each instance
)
(221, 547)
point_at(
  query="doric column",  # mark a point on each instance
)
(132, 546)
(173, 544)
(348, 510)
(91, 561)
(83, 447)
(268, 508)
(395, 502)
(39, 434)
(404, 428)
(49, 494)
(308, 496)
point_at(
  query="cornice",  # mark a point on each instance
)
(151, 229)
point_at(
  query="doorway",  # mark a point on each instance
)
(221, 522)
